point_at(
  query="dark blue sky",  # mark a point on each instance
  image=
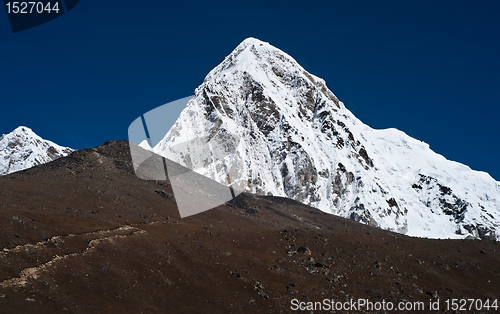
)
(428, 68)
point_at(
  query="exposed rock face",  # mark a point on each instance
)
(298, 140)
(22, 149)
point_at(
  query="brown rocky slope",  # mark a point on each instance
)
(83, 234)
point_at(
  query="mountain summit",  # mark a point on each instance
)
(22, 149)
(296, 139)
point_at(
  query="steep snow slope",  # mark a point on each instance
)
(296, 139)
(22, 149)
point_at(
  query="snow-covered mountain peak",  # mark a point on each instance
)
(296, 139)
(22, 131)
(267, 65)
(254, 56)
(22, 149)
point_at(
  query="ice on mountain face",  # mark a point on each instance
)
(22, 149)
(296, 139)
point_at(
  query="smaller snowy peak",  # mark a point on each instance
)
(21, 132)
(22, 149)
